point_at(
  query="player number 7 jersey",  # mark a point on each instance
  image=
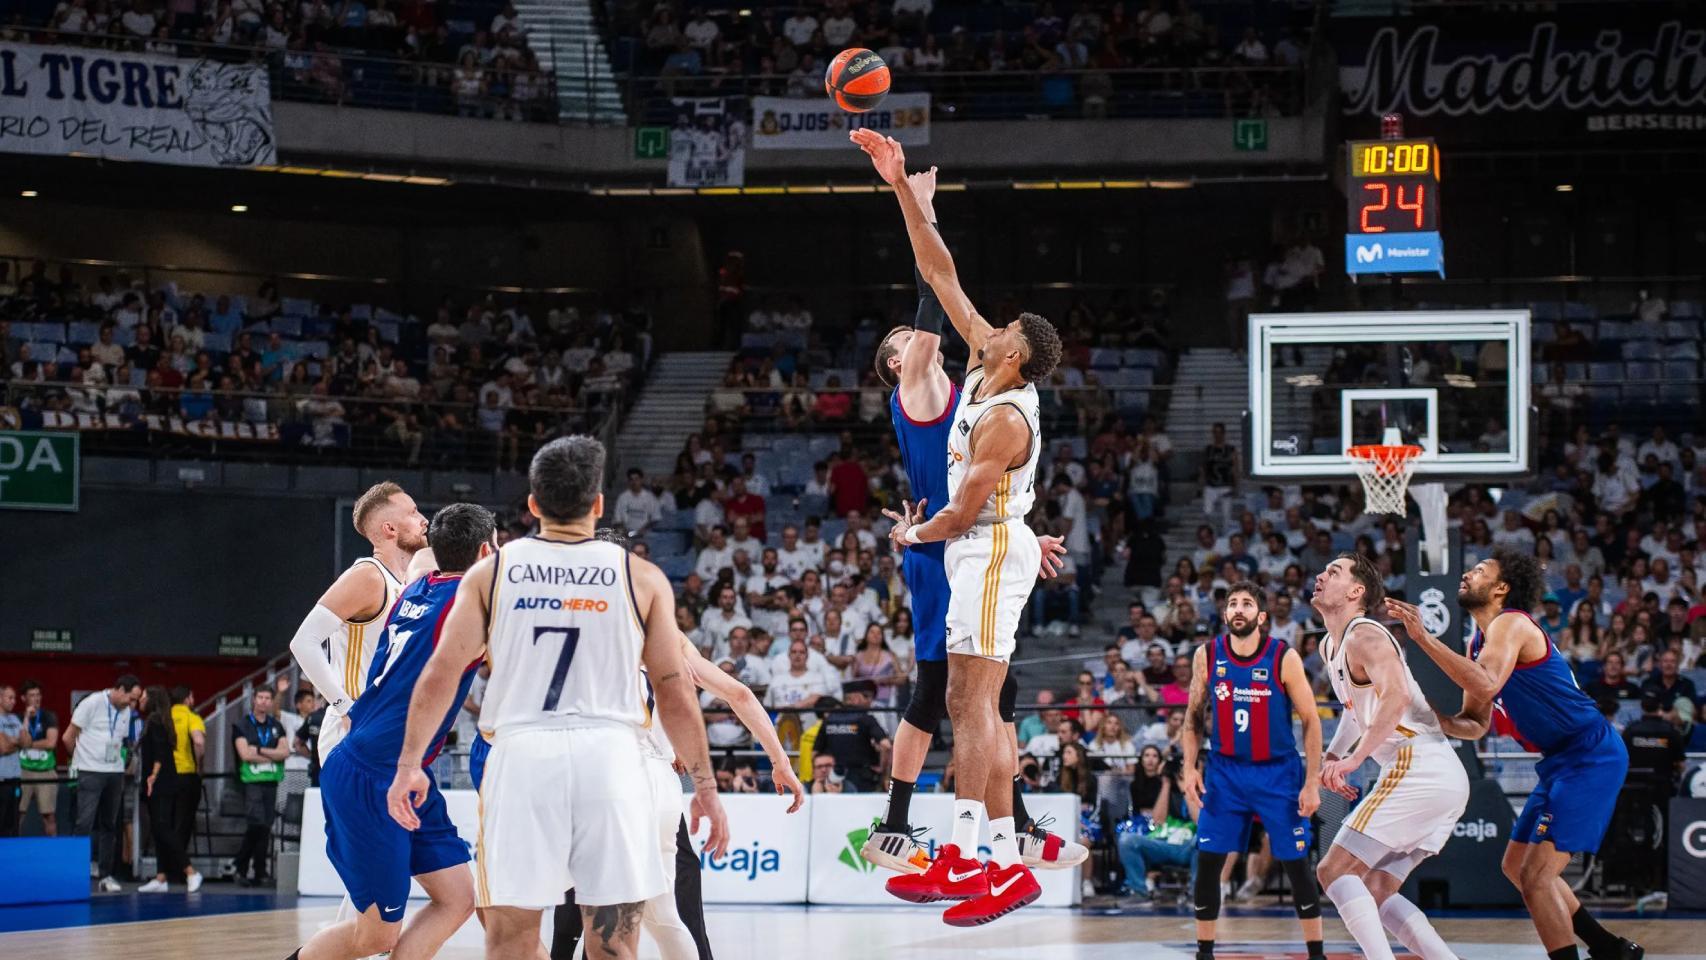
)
(565, 638)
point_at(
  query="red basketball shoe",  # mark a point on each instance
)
(1009, 889)
(950, 877)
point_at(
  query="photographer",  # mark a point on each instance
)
(1170, 840)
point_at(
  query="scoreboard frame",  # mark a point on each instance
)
(1392, 220)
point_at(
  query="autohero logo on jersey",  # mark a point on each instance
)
(1476, 830)
(561, 576)
(567, 603)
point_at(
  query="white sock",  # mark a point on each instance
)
(1410, 927)
(968, 816)
(1003, 844)
(1360, 915)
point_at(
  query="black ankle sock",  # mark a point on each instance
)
(1205, 950)
(1317, 948)
(1588, 930)
(1021, 819)
(1564, 953)
(294, 954)
(900, 804)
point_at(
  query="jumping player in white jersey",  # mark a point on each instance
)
(909, 359)
(1422, 789)
(992, 559)
(566, 621)
(334, 644)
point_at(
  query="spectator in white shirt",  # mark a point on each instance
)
(1250, 50)
(798, 29)
(707, 517)
(716, 555)
(1515, 533)
(839, 26)
(100, 725)
(742, 539)
(509, 20)
(792, 559)
(1659, 446)
(756, 484)
(637, 508)
(701, 31)
(798, 685)
(720, 622)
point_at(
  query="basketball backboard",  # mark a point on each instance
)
(1455, 383)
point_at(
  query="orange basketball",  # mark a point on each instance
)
(857, 80)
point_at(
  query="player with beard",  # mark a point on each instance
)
(334, 644)
(1252, 767)
(1515, 671)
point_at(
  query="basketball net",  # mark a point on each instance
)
(1385, 470)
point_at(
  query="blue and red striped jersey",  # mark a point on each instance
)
(1252, 713)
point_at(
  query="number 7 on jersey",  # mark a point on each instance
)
(571, 639)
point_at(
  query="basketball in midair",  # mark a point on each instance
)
(857, 80)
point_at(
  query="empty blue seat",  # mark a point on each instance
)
(1606, 373)
(1685, 394)
(1641, 370)
(1612, 330)
(1103, 358)
(287, 326)
(297, 307)
(1580, 311)
(1646, 331)
(216, 342)
(1685, 309)
(1543, 331)
(1686, 350)
(1641, 350)
(1682, 329)
(83, 333)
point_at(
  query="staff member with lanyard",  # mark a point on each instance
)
(96, 737)
(40, 738)
(261, 749)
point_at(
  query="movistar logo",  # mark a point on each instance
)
(1369, 252)
(850, 853)
(740, 861)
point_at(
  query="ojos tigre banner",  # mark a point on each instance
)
(12, 419)
(782, 123)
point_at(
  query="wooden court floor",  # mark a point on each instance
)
(845, 933)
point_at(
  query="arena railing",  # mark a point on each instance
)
(1166, 92)
(349, 77)
(444, 434)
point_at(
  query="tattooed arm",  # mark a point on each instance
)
(1196, 726)
(678, 701)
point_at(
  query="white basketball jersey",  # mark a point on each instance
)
(1016, 491)
(350, 650)
(1419, 723)
(565, 639)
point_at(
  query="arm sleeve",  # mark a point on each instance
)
(305, 646)
(1345, 738)
(930, 312)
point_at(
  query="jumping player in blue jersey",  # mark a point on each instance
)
(374, 856)
(1513, 668)
(1252, 684)
(909, 360)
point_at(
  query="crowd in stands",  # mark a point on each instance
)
(478, 384)
(473, 57)
(785, 48)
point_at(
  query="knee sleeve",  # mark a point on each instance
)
(1304, 893)
(929, 701)
(1205, 896)
(1009, 698)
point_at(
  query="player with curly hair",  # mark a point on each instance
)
(1513, 670)
(991, 559)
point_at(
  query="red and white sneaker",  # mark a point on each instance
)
(1009, 889)
(949, 877)
(1043, 850)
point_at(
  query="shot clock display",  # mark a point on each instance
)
(1392, 208)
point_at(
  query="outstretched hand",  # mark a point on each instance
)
(909, 516)
(1409, 616)
(1053, 549)
(885, 153)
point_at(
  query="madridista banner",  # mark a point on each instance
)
(783, 123)
(1605, 75)
(134, 106)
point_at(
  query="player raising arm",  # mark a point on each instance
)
(1583, 759)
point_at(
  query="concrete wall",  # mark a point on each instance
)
(1062, 147)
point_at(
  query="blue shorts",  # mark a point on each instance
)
(927, 581)
(477, 755)
(1577, 794)
(374, 856)
(1234, 791)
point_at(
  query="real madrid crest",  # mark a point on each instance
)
(1435, 617)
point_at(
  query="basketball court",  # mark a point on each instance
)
(264, 931)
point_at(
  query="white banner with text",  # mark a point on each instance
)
(784, 123)
(134, 106)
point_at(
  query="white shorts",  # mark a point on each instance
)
(1419, 797)
(991, 571)
(567, 808)
(332, 733)
(669, 803)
